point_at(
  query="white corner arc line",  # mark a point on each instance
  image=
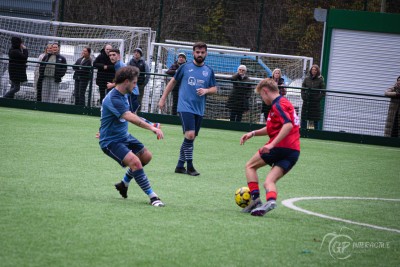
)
(289, 203)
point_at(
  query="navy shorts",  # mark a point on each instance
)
(285, 158)
(119, 150)
(190, 122)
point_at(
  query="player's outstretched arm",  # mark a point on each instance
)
(171, 84)
(135, 119)
(247, 136)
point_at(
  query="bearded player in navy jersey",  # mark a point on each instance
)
(281, 152)
(117, 143)
(197, 80)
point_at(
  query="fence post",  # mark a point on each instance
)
(260, 26)
(90, 87)
(160, 21)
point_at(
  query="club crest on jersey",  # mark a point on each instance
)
(205, 73)
(192, 81)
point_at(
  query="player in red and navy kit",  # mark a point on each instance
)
(281, 152)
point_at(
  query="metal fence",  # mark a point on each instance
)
(340, 112)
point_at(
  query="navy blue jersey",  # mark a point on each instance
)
(113, 127)
(192, 77)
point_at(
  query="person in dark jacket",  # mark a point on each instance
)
(138, 61)
(238, 101)
(392, 126)
(311, 109)
(82, 75)
(18, 56)
(277, 77)
(105, 71)
(51, 71)
(171, 71)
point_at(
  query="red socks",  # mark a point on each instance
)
(271, 195)
(254, 190)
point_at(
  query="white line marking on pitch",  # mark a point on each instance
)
(290, 204)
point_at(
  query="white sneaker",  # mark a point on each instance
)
(156, 202)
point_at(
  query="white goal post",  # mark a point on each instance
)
(225, 63)
(71, 37)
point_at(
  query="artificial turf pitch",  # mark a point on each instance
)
(58, 205)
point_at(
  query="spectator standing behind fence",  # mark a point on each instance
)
(311, 109)
(138, 61)
(105, 71)
(18, 56)
(47, 49)
(277, 77)
(392, 127)
(82, 75)
(51, 71)
(171, 71)
(238, 101)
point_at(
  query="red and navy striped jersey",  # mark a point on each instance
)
(282, 112)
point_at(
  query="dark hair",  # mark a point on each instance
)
(398, 78)
(200, 45)
(116, 50)
(126, 73)
(88, 49)
(317, 68)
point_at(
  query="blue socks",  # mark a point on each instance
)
(141, 179)
(186, 154)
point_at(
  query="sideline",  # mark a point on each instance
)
(289, 203)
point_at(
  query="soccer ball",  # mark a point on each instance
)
(242, 197)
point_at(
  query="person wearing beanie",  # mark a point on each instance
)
(140, 63)
(171, 71)
(238, 101)
(18, 56)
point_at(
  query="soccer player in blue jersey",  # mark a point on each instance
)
(117, 143)
(197, 80)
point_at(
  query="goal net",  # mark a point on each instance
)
(133, 36)
(225, 63)
(72, 38)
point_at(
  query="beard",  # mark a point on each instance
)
(199, 59)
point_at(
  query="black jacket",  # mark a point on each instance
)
(82, 73)
(239, 98)
(104, 76)
(18, 58)
(60, 69)
(142, 66)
